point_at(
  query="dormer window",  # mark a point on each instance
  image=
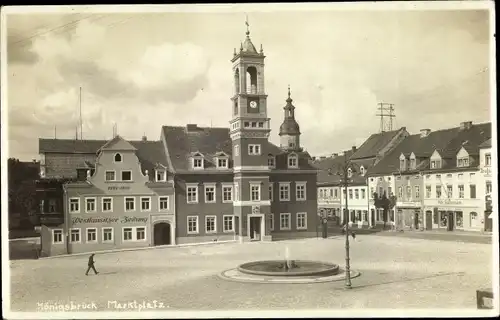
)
(413, 161)
(435, 164)
(197, 160)
(402, 162)
(349, 172)
(362, 170)
(463, 162)
(161, 175)
(293, 161)
(118, 157)
(198, 163)
(222, 163)
(271, 163)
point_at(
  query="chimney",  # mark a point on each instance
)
(322, 157)
(191, 127)
(144, 138)
(424, 132)
(335, 155)
(466, 125)
(353, 148)
(314, 158)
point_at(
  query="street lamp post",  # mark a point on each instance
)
(345, 172)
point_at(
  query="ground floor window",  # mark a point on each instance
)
(284, 221)
(134, 234)
(365, 215)
(459, 219)
(443, 222)
(75, 235)
(57, 236)
(378, 215)
(192, 224)
(140, 233)
(435, 217)
(270, 218)
(353, 216)
(228, 223)
(107, 234)
(210, 224)
(127, 234)
(92, 235)
(392, 215)
(302, 220)
(358, 215)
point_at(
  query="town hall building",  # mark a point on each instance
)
(194, 185)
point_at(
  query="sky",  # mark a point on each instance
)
(145, 70)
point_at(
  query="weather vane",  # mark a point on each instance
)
(248, 25)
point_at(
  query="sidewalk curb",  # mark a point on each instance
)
(137, 249)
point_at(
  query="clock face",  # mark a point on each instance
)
(253, 104)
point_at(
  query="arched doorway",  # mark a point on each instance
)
(162, 233)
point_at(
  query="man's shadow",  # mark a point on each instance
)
(103, 273)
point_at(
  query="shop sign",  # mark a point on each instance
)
(123, 219)
(408, 204)
(115, 188)
(449, 201)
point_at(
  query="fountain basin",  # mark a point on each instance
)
(301, 268)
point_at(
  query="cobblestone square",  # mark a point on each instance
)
(395, 273)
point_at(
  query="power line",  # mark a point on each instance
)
(69, 24)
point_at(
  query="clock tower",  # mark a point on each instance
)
(249, 131)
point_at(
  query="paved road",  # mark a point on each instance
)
(469, 237)
(408, 273)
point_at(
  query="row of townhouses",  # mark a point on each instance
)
(437, 180)
(194, 184)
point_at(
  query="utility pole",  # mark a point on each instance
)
(81, 122)
(386, 114)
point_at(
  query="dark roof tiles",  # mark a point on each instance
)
(182, 142)
(374, 144)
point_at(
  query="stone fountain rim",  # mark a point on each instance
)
(329, 268)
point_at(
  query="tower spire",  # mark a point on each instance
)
(248, 26)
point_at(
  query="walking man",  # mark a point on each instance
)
(91, 265)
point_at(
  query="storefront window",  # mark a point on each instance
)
(444, 219)
(365, 215)
(435, 217)
(358, 215)
(459, 219)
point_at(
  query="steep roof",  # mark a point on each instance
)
(486, 144)
(374, 144)
(69, 145)
(183, 142)
(469, 138)
(149, 152)
(422, 147)
(328, 167)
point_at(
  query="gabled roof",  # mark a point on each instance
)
(374, 144)
(423, 147)
(328, 170)
(181, 142)
(118, 143)
(470, 139)
(486, 144)
(69, 146)
(149, 153)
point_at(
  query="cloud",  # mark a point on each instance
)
(146, 71)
